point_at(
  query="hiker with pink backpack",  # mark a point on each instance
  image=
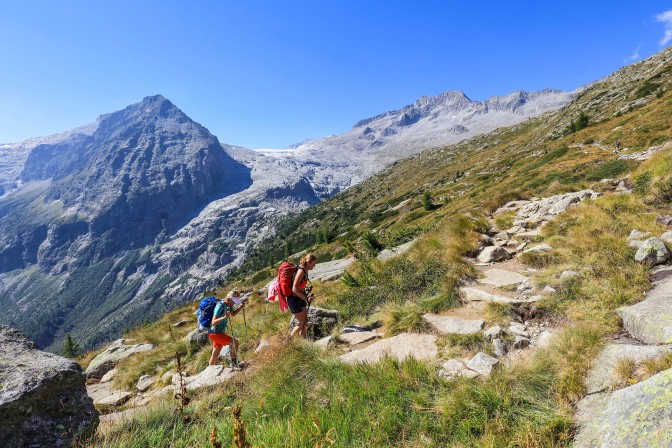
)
(291, 291)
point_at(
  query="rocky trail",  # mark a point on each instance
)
(609, 414)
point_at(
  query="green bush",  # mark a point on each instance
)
(609, 169)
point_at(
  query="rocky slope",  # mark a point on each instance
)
(114, 222)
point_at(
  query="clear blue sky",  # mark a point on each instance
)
(266, 74)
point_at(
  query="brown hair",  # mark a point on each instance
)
(307, 259)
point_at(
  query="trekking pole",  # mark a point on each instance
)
(233, 352)
(245, 322)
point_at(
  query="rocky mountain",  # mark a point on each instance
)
(115, 222)
(374, 143)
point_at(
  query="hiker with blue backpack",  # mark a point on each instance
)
(214, 314)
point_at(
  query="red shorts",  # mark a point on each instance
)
(219, 340)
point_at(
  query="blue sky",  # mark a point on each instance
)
(266, 74)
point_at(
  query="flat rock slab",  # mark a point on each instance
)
(472, 294)
(108, 359)
(210, 376)
(400, 347)
(603, 375)
(454, 325)
(330, 270)
(386, 254)
(482, 363)
(115, 398)
(650, 320)
(636, 416)
(358, 337)
(502, 278)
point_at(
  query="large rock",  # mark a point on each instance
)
(650, 320)
(653, 252)
(492, 254)
(43, 399)
(400, 347)
(210, 376)
(330, 270)
(197, 338)
(637, 416)
(482, 363)
(320, 322)
(545, 209)
(108, 359)
(454, 325)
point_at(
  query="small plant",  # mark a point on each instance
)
(239, 435)
(642, 183)
(427, 201)
(372, 243)
(71, 348)
(626, 371)
(401, 318)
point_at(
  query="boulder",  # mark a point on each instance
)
(451, 368)
(197, 338)
(113, 399)
(650, 320)
(539, 248)
(358, 337)
(145, 382)
(492, 254)
(400, 347)
(323, 343)
(664, 220)
(454, 325)
(566, 275)
(320, 322)
(653, 252)
(545, 209)
(109, 376)
(493, 333)
(210, 376)
(637, 235)
(108, 359)
(667, 237)
(499, 347)
(636, 416)
(43, 399)
(521, 342)
(482, 363)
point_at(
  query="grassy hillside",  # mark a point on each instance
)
(298, 395)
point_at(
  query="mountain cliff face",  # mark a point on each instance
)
(115, 222)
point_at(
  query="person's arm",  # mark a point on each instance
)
(215, 319)
(233, 313)
(297, 281)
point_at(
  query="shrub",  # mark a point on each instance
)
(609, 169)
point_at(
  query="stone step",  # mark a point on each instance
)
(454, 325)
(400, 347)
(485, 294)
(500, 278)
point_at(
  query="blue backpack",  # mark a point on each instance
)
(205, 311)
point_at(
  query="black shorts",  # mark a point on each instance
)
(296, 305)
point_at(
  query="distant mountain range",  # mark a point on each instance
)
(112, 223)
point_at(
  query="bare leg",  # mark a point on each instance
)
(302, 317)
(214, 356)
